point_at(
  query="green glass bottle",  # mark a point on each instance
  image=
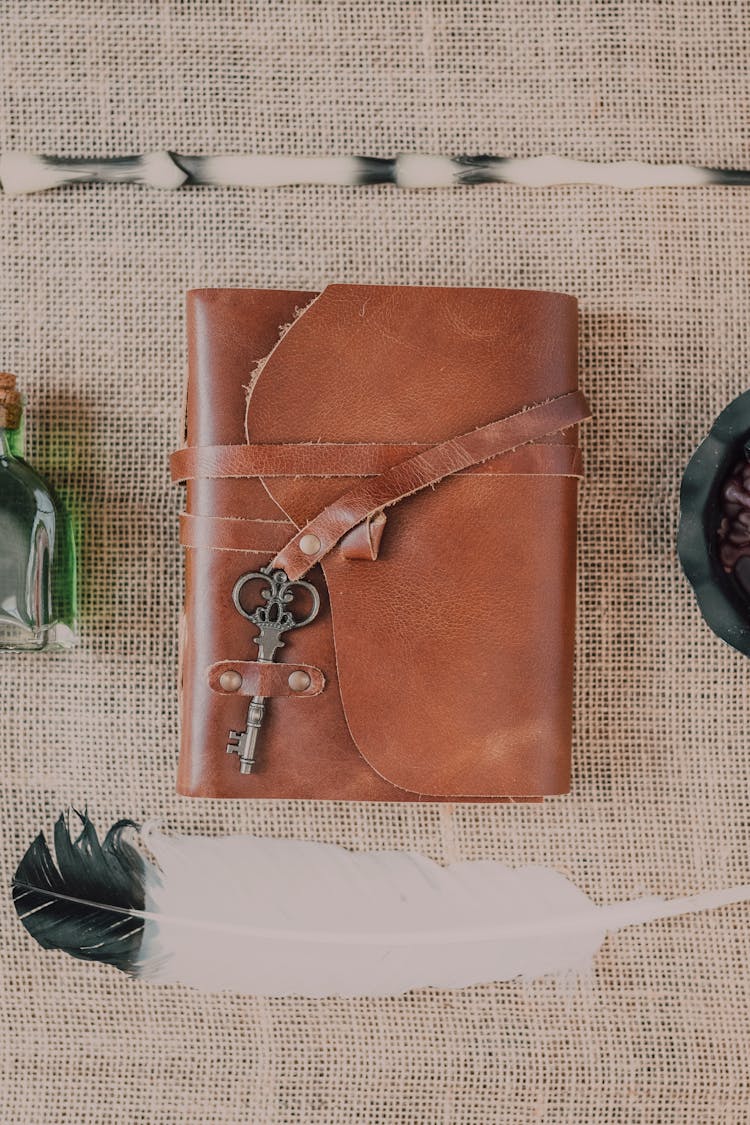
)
(37, 551)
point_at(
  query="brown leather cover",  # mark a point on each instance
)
(445, 637)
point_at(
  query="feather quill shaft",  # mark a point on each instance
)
(615, 917)
(280, 917)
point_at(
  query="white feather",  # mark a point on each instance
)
(235, 170)
(415, 170)
(422, 170)
(290, 917)
(548, 171)
(22, 172)
(158, 170)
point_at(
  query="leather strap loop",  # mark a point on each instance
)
(427, 468)
(363, 541)
(268, 680)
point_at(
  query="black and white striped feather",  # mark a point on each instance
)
(22, 172)
(293, 917)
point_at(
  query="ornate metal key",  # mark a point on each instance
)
(273, 619)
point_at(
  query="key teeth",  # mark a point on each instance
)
(233, 746)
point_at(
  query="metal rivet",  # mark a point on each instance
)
(309, 544)
(231, 680)
(299, 681)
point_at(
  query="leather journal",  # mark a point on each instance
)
(396, 470)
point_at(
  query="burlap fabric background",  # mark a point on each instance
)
(91, 295)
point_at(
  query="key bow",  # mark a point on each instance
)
(273, 619)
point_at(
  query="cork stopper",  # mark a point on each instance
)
(11, 403)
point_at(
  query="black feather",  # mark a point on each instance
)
(479, 169)
(83, 904)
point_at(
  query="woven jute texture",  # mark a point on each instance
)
(91, 295)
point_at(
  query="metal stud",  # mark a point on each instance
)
(231, 680)
(309, 544)
(299, 680)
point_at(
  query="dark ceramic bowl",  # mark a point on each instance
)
(722, 598)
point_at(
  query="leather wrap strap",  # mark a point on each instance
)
(225, 533)
(510, 445)
(328, 460)
(303, 459)
(427, 468)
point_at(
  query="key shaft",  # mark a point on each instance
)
(243, 742)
